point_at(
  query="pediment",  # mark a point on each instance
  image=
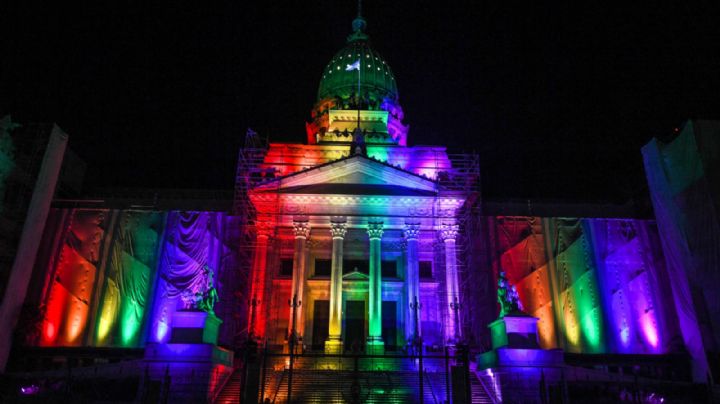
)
(356, 173)
(355, 276)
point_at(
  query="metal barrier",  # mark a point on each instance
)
(361, 378)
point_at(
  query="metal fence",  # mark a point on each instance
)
(361, 378)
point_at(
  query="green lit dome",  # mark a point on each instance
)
(376, 77)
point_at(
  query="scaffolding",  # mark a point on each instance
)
(250, 172)
(475, 277)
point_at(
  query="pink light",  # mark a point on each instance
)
(649, 329)
(29, 390)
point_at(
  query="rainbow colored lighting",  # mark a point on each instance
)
(603, 282)
(594, 293)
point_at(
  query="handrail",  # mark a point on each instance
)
(277, 389)
(224, 383)
(487, 391)
(432, 389)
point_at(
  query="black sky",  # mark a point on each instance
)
(557, 99)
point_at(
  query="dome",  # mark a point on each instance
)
(376, 77)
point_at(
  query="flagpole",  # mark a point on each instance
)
(359, 64)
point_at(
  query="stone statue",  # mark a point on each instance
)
(210, 295)
(205, 297)
(508, 297)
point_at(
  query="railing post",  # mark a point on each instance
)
(448, 393)
(262, 373)
(355, 388)
(422, 370)
(294, 304)
(466, 371)
(417, 343)
(166, 385)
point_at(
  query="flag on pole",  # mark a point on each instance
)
(354, 66)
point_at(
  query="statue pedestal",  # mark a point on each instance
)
(192, 360)
(516, 352)
(514, 331)
(195, 327)
(515, 343)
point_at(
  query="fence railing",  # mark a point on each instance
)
(356, 378)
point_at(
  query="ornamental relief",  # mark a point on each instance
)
(419, 211)
(446, 212)
(315, 244)
(292, 208)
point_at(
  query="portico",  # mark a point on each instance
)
(359, 229)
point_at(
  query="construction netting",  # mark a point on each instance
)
(684, 185)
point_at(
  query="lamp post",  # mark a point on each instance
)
(416, 306)
(455, 307)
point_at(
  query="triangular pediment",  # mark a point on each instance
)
(355, 276)
(355, 174)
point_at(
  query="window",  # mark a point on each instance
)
(286, 267)
(323, 267)
(426, 270)
(389, 269)
(350, 265)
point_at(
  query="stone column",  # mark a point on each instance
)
(301, 229)
(259, 301)
(334, 343)
(448, 233)
(412, 278)
(375, 343)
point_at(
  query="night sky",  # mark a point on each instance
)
(557, 101)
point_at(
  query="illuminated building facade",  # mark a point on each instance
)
(356, 241)
(356, 217)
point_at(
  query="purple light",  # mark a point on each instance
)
(29, 390)
(649, 329)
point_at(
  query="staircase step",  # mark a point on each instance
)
(331, 380)
(230, 393)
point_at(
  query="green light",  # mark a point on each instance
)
(589, 313)
(379, 153)
(131, 322)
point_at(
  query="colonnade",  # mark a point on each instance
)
(338, 230)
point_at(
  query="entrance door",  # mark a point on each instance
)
(354, 325)
(389, 325)
(321, 322)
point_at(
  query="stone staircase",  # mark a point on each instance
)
(337, 386)
(331, 380)
(479, 394)
(348, 379)
(230, 394)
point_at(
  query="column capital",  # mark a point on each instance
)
(375, 230)
(338, 229)
(301, 229)
(412, 231)
(264, 228)
(448, 231)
